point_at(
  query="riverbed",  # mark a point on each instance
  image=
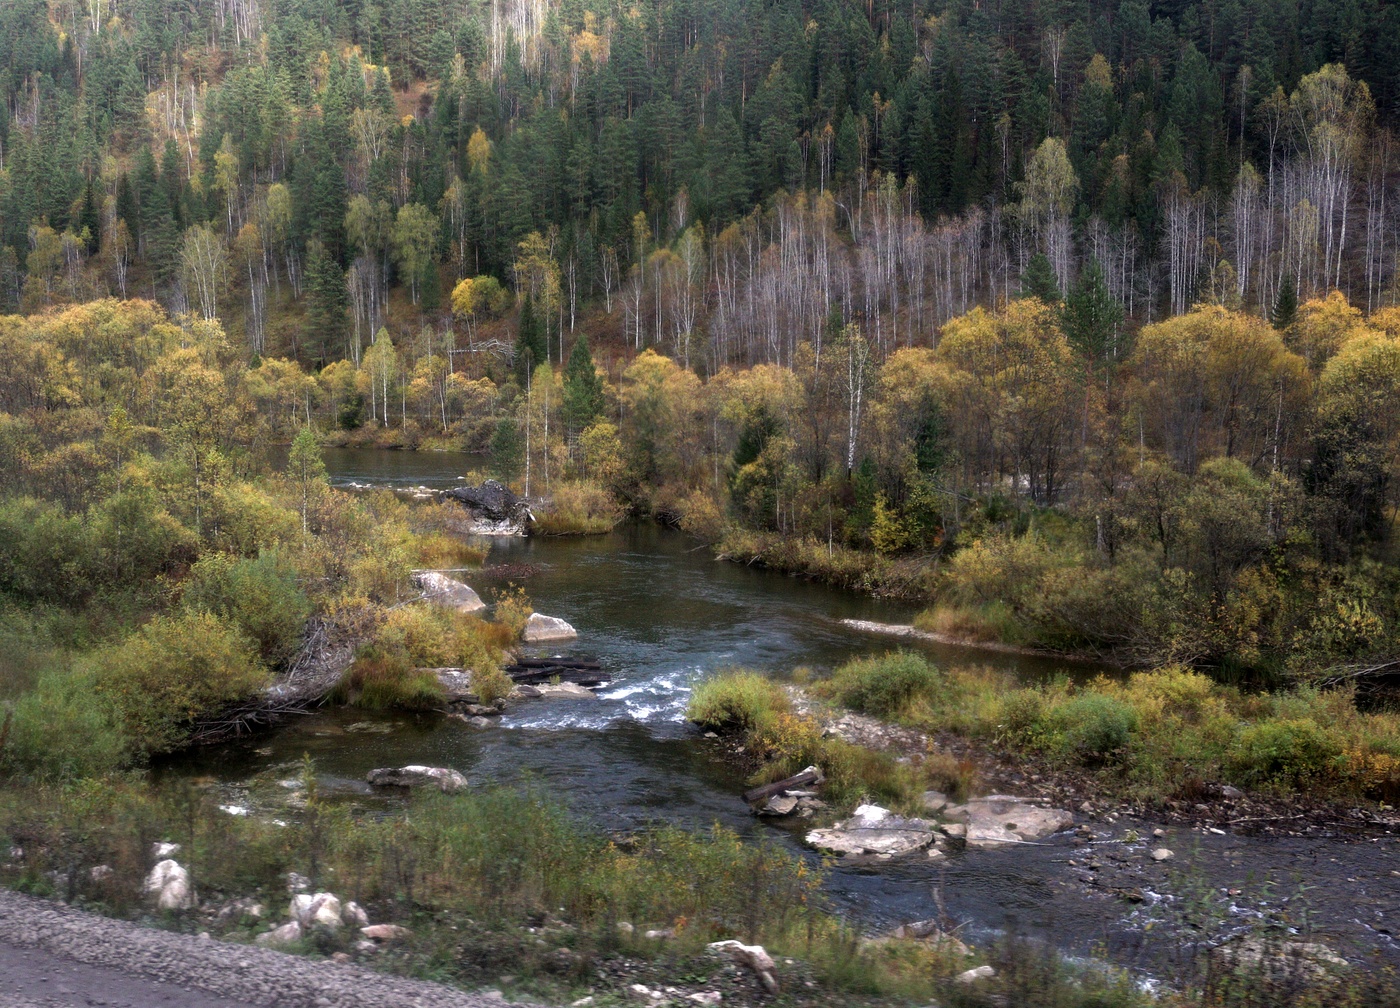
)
(661, 613)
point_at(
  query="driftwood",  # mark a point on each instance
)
(805, 778)
(538, 671)
(326, 652)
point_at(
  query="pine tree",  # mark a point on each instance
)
(507, 450)
(529, 344)
(583, 388)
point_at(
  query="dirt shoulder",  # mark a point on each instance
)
(54, 956)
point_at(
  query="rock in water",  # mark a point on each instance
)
(1001, 819)
(874, 832)
(448, 592)
(493, 508)
(563, 691)
(415, 776)
(540, 628)
(169, 883)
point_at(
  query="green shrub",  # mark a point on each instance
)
(1094, 727)
(382, 679)
(1287, 753)
(884, 686)
(173, 670)
(579, 508)
(737, 700)
(260, 596)
(61, 728)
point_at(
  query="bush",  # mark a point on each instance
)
(382, 679)
(173, 670)
(579, 508)
(1094, 727)
(61, 728)
(1286, 753)
(513, 609)
(260, 596)
(884, 686)
(737, 700)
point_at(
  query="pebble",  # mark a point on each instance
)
(1162, 854)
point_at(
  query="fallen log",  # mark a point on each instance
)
(581, 677)
(804, 778)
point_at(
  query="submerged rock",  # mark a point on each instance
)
(415, 776)
(493, 508)
(564, 691)
(540, 628)
(448, 592)
(874, 832)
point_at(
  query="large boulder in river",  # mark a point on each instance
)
(874, 832)
(540, 628)
(494, 509)
(448, 592)
(417, 776)
(999, 820)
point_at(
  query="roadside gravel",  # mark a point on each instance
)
(52, 955)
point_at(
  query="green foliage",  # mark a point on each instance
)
(583, 387)
(1290, 753)
(1093, 727)
(259, 596)
(1039, 280)
(737, 701)
(886, 685)
(173, 670)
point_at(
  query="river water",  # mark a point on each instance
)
(661, 614)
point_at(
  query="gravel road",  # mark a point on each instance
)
(56, 957)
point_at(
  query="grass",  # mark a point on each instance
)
(1148, 735)
(749, 704)
(984, 623)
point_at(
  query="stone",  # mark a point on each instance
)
(540, 628)
(527, 692)
(973, 975)
(456, 683)
(160, 850)
(447, 592)
(934, 801)
(241, 908)
(480, 710)
(287, 934)
(169, 884)
(319, 910)
(705, 998)
(354, 915)
(297, 882)
(873, 832)
(366, 947)
(778, 805)
(99, 872)
(414, 776)
(385, 932)
(755, 957)
(1161, 854)
(642, 994)
(340, 957)
(956, 830)
(1280, 959)
(999, 820)
(564, 691)
(493, 509)
(1231, 793)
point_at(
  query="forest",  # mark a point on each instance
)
(1077, 320)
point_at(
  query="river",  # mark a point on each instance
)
(661, 613)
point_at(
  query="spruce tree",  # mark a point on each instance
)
(583, 388)
(1091, 315)
(529, 343)
(326, 298)
(1285, 310)
(1040, 281)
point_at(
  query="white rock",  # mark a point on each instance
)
(582, 1002)
(755, 957)
(565, 691)
(366, 947)
(237, 810)
(99, 872)
(385, 932)
(285, 935)
(973, 975)
(1003, 819)
(413, 775)
(160, 850)
(321, 909)
(170, 885)
(658, 934)
(935, 801)
(296, 882)
(642, 994)
(354, 915)
(1162, 854)
(871, 813)
(448, 592)
(705, 998)
(540, 628)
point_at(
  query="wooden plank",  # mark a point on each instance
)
(805, 778)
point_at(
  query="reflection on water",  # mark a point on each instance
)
(661, 613)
